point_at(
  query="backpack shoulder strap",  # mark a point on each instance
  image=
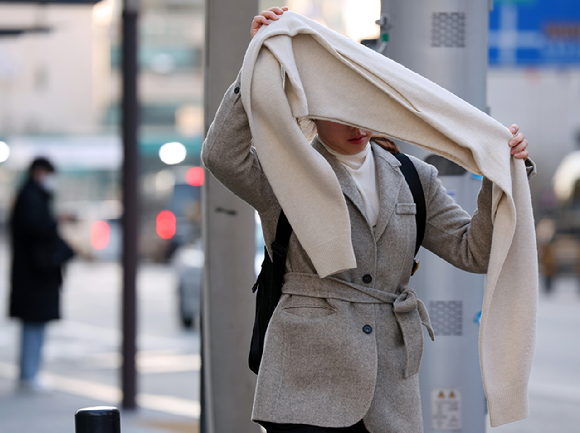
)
(412, 177)
(269, 288)
(280, 250)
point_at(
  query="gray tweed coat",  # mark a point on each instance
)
(347, 347)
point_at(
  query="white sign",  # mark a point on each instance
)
(446, 409)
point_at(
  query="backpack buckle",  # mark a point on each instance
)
(415, 266)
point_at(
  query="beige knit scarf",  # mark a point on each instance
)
(331, 77)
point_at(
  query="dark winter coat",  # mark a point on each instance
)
(38, 254)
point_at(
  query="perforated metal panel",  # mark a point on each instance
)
(448, 29)
(446, 317)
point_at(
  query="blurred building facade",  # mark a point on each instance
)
(67, 81)
(60, 97)
(47, 80)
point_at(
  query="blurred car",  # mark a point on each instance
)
(171, 211)
(559, 251)
(188, 261)
(558, 232)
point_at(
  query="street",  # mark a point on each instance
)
(82, 360)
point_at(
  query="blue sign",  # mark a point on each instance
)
(534, 33)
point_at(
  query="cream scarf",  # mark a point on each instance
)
(328, 76)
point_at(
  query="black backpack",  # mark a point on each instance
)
(269, 283)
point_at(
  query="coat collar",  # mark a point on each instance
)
(389, 178)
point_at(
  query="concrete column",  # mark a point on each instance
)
(229, 245)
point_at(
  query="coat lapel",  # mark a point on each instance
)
(390, 179)
(389, 176)
(345, 180)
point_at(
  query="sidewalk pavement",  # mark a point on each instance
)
(53, 412)
(82, 363)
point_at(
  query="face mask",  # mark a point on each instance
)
(48, 182)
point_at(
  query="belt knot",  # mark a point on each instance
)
(406, 302)
(406, 308)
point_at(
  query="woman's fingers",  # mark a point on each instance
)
(517, 139)
(279, 10)
(519, 147)
(265, 16)
(258, 22)
(519, 150)
(270, 15)
(518, 143)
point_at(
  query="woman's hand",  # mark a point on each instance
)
(518, 143)
(264, 17)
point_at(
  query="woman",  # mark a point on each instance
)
(336, 358)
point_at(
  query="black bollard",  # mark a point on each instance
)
(98, 419)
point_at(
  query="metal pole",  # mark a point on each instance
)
(130, 200)
(446, 41)
(229, 245)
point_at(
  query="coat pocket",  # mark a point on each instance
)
(406, 208)
(328, 364)
(307, 307)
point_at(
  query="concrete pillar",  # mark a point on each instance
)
(229, 245)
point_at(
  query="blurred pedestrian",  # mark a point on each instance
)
(38, 255)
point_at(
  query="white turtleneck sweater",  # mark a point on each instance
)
(361, 167)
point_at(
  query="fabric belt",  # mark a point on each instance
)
(410, 312)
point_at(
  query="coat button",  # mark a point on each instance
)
(367, 278)
(367, 329)
(237, 90)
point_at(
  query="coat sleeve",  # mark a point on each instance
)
(454, 235)
(228, 154)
